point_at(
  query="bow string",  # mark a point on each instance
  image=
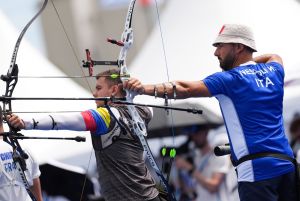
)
(139, 126)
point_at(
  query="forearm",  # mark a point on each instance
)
(211, 184)
(166, 89)
(96, 121)
(36, 189)
(266, 58)
(177, 89)
(56, 122)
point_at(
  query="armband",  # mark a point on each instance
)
(155, 91)
(34, 123)
(54, 124)
(165, 94)
(174, 90)
(165, 97)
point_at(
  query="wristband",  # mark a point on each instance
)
(165, 94)
(155, 91)
(174, 89)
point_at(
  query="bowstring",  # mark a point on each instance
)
(168, 79)
(166, 63)
(71, 46)
(85, 77)
(86, 80)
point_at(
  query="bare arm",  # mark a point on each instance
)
(266, 58)
(36, 189)
(184, 89)
(211, 184)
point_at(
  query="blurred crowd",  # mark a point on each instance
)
(198, 175)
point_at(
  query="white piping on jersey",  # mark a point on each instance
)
(248, 63)
(237, 137)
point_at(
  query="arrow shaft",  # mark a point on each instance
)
(3, 98)
(194, 111)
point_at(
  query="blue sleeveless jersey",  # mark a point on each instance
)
(250, 98)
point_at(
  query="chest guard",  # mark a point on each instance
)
(118, 128)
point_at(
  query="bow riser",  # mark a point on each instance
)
(139, 126)
(10, 86)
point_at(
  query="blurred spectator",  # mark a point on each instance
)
(219, 137)
(11, 182)
(202, 174)
(295, 133)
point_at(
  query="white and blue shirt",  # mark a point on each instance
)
(11, 185)
(250, 98)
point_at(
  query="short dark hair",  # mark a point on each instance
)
(112, 77)
(249, 49)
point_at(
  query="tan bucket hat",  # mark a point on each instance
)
(236, 33)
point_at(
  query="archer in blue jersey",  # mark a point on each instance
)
(250, 98)
(250, 93)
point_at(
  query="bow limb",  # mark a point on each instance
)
(11, 79)
(127, 40)
(138, 124)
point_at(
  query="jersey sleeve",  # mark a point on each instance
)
(218, 83)
(98, 121)
(33, 166)
(146, 113)
(279, 68)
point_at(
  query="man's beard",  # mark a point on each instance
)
(227, 63)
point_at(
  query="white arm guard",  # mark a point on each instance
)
(73, 122)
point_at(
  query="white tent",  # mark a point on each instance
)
(32, 63)
(190, 27)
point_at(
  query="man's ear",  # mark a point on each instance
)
(240, 47)
(115, 90)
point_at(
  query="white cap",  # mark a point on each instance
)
(236, 33)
